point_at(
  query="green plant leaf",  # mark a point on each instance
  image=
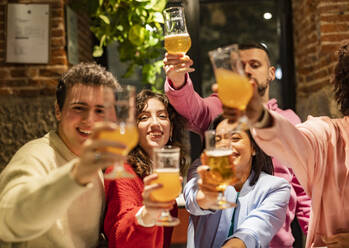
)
(97, 51)
(136, 34)
(104, 18)
(159, 5)
(136, 26)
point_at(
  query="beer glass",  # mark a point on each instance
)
(234, 89)
(166, 165)
(219, 157)
(177, 39)
(120, 108)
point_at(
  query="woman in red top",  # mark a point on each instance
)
(131, 213)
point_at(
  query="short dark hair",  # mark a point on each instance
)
(260, 162)
(138, 158)
(83, 73)
(251, 45)
(341, 78)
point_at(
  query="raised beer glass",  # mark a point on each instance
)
(166, 165)
(234, 89)
(120, 108)
(219, 157)
(177, 39)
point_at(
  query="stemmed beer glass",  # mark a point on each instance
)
(219, 157)
(120, 108)
(166, 165)
(177, 39)
(234, 89)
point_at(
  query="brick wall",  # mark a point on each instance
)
(27, 90)
(319, 27)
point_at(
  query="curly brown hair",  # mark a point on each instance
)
(84, 73)
(341, 78)
(138, 158)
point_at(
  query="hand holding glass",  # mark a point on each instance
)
(177, 39)
(120, 108)
(234, 89)
(220, 160)
(166, 166)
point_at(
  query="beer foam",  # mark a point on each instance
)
(167, 170)
(177, 35)
(219, 152)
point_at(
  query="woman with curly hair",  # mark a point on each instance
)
(131, 213)
(318, 152)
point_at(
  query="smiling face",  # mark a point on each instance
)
(154, 125)
(83, 107)
(241, 146)
(257, 68)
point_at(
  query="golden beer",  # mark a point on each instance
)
(127, 134)
(221, 171)
(234, 90)
(171, 185)
(178, 43)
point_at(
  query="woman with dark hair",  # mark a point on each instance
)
(261, 198)
(131, 212)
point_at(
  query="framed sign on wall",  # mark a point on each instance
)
(28, 27)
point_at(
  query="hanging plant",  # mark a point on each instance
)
(136, 27)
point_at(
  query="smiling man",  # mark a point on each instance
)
(51, 192)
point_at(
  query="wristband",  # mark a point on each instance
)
(263, 120)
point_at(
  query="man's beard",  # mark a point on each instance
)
(263, 88)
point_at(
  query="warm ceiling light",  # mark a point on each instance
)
(267, 16)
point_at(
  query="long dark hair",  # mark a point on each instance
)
(341, 78)
(138, 158)
(260, 161)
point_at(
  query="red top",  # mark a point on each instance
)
(123, 200)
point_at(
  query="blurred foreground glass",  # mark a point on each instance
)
(234, 89)
(166, 162)
(120, 108)
(177, 39)
(219, 157)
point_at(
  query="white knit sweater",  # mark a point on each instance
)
(41, 205)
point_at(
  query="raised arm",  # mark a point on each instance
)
(179, 89)
(302, 147)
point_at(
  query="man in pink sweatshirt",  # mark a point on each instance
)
(200, 112)
(318, 152)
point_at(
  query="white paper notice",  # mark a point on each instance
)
(27, 33)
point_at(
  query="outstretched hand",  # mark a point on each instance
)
(95, 154)
(207, 194)
(253, 110)
(152, 209)
(176, 66)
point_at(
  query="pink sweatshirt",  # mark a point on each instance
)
(318, 152)
(200, 112)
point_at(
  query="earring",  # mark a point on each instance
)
(170, 139)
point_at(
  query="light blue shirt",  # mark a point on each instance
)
(260, 213)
